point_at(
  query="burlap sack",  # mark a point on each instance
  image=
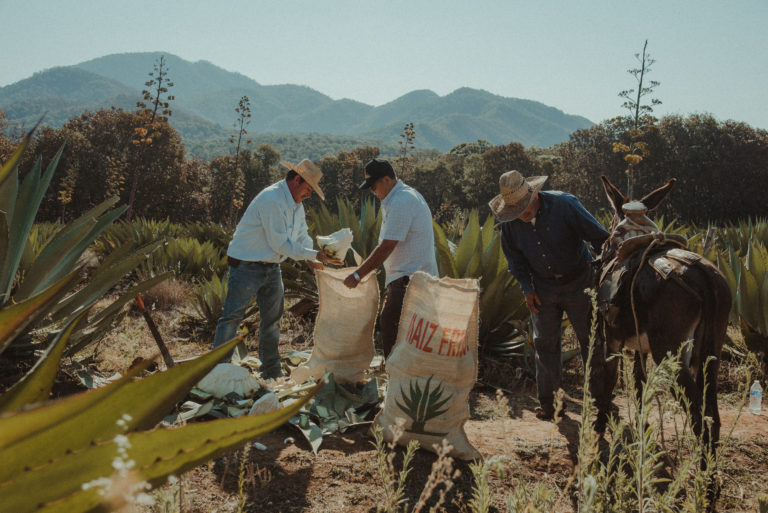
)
(343, 336)
(433, 365)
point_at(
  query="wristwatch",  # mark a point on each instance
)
(357, 276)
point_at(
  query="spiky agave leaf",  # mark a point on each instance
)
(154, 455)
(37, 383)
(146, 401)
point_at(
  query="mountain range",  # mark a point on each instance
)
(206, 96)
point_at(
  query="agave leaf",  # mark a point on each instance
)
(10, 165)
(28, 199)
(109, 316)
(756, 261)
(764, 306)
(37, 383)
(749, 298)
(468, 245)
(17, 427)
(14, 319)
(446, 264)
(91, 214)
(156, 455)
(57, 259)
(102, 280)
(147, 401)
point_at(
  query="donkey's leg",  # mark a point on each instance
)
(611, 372)
(639, 373)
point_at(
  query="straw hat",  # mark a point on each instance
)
(517, 193)
(309, 172)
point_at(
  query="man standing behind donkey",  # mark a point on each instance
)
(272, 229)
(544, 236)
(406, 243)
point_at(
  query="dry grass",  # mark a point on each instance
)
(167, 295)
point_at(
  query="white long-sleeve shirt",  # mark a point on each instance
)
(273, 228)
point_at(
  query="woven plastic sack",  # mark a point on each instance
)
(336, 244)
(343, 335)
(433, 366)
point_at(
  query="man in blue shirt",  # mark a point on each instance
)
(406, 243)
(544, 236)
(272, 229)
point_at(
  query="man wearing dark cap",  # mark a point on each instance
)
(544, 236)
(406, 243)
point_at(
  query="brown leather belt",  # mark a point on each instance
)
(234, 262)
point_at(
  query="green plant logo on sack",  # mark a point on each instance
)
(422, 405)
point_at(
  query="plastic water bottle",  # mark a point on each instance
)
(755, 398)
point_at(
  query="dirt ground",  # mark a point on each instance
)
(287, 477)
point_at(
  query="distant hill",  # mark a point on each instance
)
(206, 96)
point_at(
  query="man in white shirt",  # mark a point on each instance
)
(272, 229)
(406, 243)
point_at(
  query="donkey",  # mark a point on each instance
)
(662, 297)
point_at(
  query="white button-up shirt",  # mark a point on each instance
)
(406, 218)
(273, 228)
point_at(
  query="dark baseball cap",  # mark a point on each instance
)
(375, 169)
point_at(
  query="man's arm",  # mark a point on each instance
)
(374, 260)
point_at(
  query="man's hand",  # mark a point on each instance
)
(532, 301)
(314, 264)
(350, 281)
(323, 256)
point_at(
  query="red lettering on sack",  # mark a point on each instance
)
(426, 347)
(445, 340)
(410, 329)
(416, 337)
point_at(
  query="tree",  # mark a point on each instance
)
(406, 143)
(243, 111)
(153, 110)
(635, 149)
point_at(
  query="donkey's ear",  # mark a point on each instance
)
(654, 198)
(615, 196)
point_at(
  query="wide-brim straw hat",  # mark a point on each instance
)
(517, 192)
(309, 172)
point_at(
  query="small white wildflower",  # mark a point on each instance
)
(144, 499)
(173, 479)
(122, 442)
(103, 484)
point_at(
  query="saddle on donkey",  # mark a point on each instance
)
(640, 242)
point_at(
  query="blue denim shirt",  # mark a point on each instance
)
(552, 252)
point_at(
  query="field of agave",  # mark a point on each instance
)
(52, 276)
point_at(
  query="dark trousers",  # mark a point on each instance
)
(390, 313)
(572, 301)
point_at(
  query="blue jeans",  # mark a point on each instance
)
(547, 341)
(245, 281)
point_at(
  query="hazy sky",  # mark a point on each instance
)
(573, 55)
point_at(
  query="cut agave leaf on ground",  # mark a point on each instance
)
(309, 429)
(190, 410)
(93, 379)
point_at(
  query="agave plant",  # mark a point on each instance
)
(40, 269)
(365, 229)
(478, 254)
(208, 302)
(215, 233)
(189, 258)
(748, 279)
(88, 446)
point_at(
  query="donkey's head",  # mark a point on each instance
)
(651, 201)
